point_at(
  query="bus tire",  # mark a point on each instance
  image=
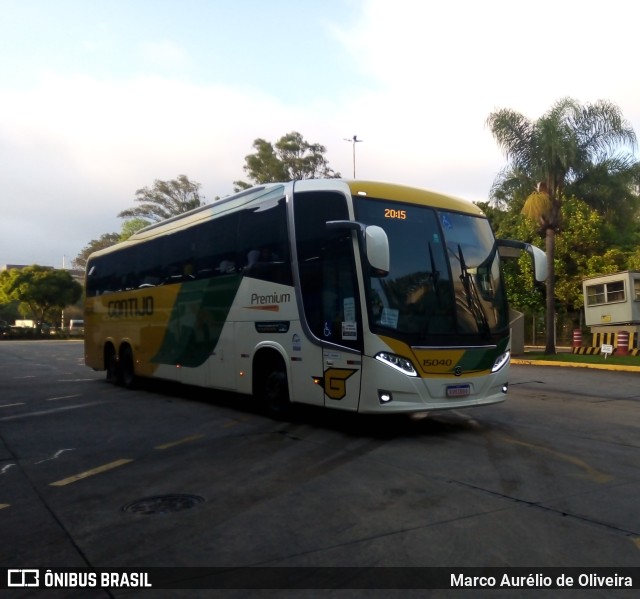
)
(273, 389)
(111, 364)
(126, 371)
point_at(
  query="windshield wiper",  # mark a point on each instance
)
(471, 292)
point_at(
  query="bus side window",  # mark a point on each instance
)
(215, 252)
(264, 242)
(178, 256)
(148, 271)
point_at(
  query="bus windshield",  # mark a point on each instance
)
(444, 286)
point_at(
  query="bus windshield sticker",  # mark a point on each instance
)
(389, 318)
(349, 307)
(349, 331)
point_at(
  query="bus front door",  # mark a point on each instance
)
(341, 379)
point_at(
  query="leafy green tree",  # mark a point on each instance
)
(611, 188)
(41, 289)
(581, 238)
(633, 260)
(9, 310)
(612, 260)
(104, 241)
(131, 227)
(291, 158)
(548, 155)
(165, 199)
(580, 252)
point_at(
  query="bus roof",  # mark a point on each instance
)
(375, 189)
(414, 195)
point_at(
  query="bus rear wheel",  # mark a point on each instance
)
(126, 372)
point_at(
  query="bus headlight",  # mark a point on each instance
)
(501, 360)
(398, 362)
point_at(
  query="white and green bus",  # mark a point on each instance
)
(354, 295)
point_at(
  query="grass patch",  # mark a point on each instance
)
(582, 359)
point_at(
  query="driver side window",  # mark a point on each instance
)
(327, 269)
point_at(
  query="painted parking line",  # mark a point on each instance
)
(10, 405)
(118, 463)
(591, 472)
(88, 473)
(49, 412)
(63, 397)
(179, 442)
(55, 456)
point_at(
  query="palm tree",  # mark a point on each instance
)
(549, 155)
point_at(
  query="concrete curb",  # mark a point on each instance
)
(618, 367)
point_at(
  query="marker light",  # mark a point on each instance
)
(398, 362)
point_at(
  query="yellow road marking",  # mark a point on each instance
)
(4, 505)
(180, 442)
(92, 472)
(594, 474)
(636, 541)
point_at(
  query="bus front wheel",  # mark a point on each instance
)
(273, 390)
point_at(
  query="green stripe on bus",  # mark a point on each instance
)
(476, 360)
(196, 321)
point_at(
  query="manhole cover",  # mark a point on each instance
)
(163, 504)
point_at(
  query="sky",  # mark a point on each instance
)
(99, 98)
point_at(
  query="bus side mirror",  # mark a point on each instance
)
(377, 248)
(373, 242)
(510, 248)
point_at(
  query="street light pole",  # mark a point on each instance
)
(354, 140)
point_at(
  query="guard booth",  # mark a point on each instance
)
(612, 313)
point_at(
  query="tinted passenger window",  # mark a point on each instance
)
(253, 241)
(216, 251)
(264, 242)
(178, 256)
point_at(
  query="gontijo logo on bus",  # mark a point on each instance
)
(131, 306)
(269, 301)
